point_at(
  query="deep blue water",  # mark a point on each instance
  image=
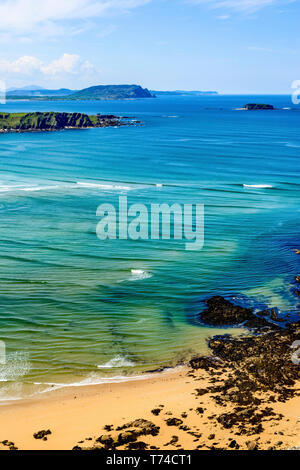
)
(71, 303)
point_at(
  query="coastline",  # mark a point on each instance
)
(77, 415)
(231, 400)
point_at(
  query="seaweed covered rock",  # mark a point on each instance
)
(223, 312)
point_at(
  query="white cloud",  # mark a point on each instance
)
(242, 6)
(29, 16)
(66, 65)
(25, 65)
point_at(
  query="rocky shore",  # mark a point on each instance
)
(247, 376)
(54, 121)
(245, 395)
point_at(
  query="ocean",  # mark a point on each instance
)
(76, 310)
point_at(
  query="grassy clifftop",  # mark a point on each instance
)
(53, 121)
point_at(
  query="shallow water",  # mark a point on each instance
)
(75, 309)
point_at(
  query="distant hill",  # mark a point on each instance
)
(28, 87)
(185, 93)
(101, 92)
(38, 92)
(112, 92)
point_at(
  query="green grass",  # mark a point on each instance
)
(46, 121)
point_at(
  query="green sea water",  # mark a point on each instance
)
(78, 310)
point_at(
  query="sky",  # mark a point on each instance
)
(231, 46)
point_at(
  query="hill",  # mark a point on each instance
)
(101, 92)
(112, 92)
(37, 92)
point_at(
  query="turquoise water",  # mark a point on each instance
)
(75, 309)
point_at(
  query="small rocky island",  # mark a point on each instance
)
(258, 107)
(53, 121)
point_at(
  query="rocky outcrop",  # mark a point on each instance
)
(257, 107)
(222, 312)
(52, 121)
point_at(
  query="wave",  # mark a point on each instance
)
(104, 186)
(9, 189)
(17, 365)
(292, 145)
(139, 275)
(94, 379)
(258, 186)
(117, 362)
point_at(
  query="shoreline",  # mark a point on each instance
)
(77, 418)
(244, 396)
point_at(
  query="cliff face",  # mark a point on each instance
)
(53, 121)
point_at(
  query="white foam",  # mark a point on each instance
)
(258, 186)
(39, 188)
(139, 274)
(103, 186)
(94, 379)
(17, 365)
(117, 362)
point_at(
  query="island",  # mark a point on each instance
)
(100, 92)
(53, 121)
(257, 107)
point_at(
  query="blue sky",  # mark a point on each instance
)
(245, 46)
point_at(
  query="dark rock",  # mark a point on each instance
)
(156, 411)
(258, 107)
(233, 445)
(108, 427)
(126, 437)
(174, 422)
(200, 411)
(205, 363)
(42, 434)
(137, 446)
(222, 312)
(201, 391)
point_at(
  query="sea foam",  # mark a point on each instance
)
(139, 274)
(117, 362)
(258, 186)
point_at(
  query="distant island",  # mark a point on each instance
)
(185, 93)
(52, 121)
(255, 107)
(101, 92)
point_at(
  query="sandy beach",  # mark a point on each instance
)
(243, 396)
(77, 416)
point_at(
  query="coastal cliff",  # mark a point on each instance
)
(50, 121)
